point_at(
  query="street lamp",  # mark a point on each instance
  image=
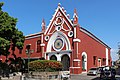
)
(28, 52)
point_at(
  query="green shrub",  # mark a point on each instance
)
(45, 65)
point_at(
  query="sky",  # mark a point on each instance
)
(100, 17)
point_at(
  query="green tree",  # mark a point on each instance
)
(9, 34)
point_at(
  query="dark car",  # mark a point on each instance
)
(113, 73)
(100, 68)
(107, 73)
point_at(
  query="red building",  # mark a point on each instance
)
(66, 41)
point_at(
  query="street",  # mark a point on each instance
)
(84, 76)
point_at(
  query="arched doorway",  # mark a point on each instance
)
(53, 57)
(65, 60)
(84, 61)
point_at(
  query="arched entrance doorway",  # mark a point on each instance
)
(84, 61)
(53, 57)
(65, 60)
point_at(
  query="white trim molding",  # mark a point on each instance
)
(70, 33)
(76, 60)
(74, 32)
(28, 44)
(42, 44)
(34, 36)
(56, 11)
(77, 49)
(76, 40)
(42, 38)
(84, 72)
(106, 56)
(61, 43)
(53, 38)
(75, 67)
(58, 56)
(46, 38)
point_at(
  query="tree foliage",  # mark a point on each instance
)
(9, 34)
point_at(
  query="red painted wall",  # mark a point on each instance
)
(33, 42)
(92, 48)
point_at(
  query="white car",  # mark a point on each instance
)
(65, 74)
(93, 71)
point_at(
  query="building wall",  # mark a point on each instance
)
(92, 48)
(32, 41)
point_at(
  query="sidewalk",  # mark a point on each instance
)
(11, 78)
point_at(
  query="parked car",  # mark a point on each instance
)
(107, 73)
(101, 68)
(93, 71)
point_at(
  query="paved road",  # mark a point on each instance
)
(84, 76)
(73, 77)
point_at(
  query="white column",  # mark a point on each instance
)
(106, 56)
(58, 57)
(77, 49)
(42, 38)
(74, 32)
(48, 57)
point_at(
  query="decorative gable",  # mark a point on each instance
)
(60, 21)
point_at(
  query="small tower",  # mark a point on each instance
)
(43, 25)
(59, 4)
(42, 38)
(75, 17)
